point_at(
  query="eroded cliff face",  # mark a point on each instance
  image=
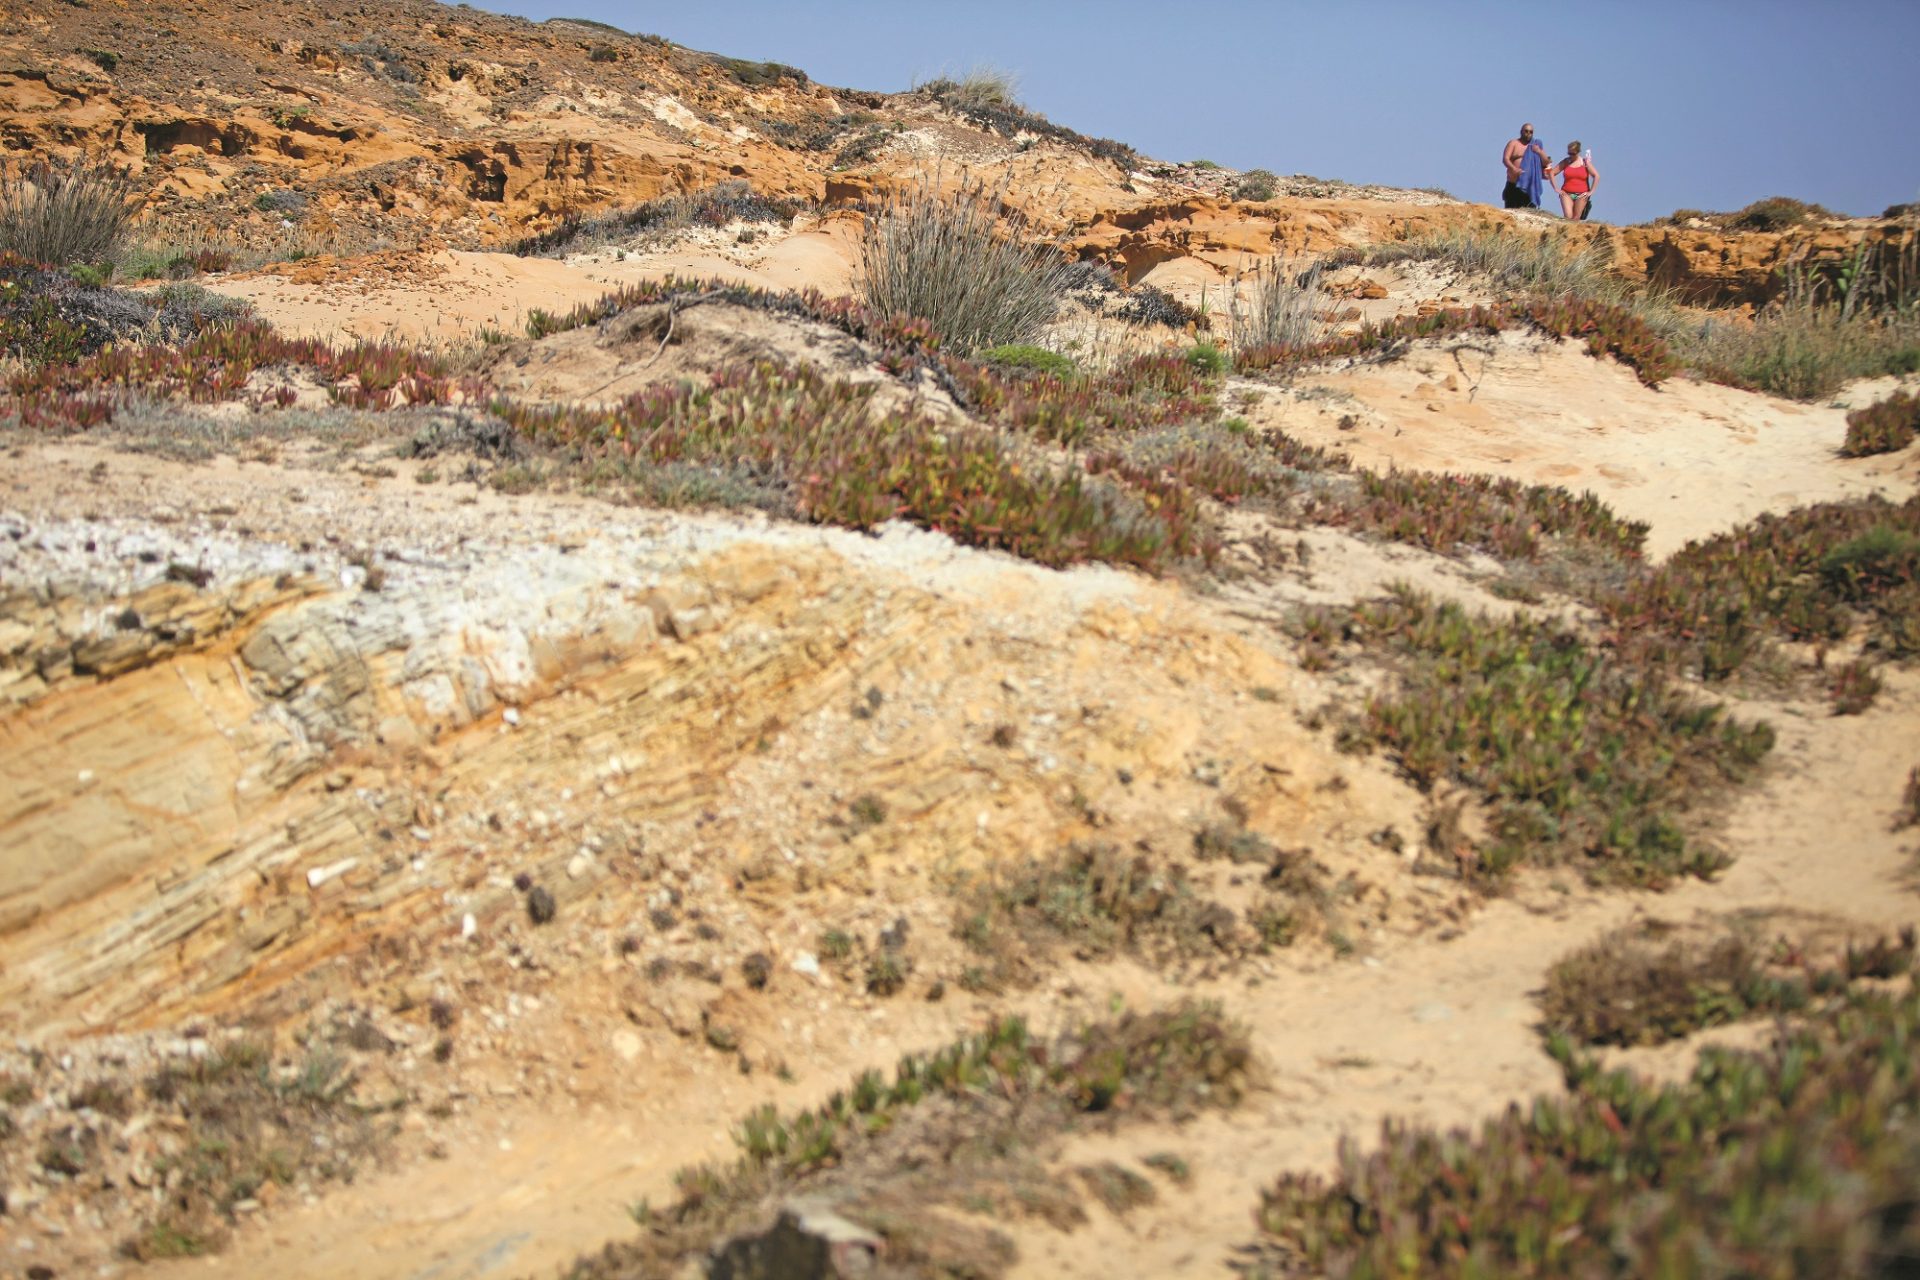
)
(1699, 264)
(1722, 268)
(440, 122)
(265, 778)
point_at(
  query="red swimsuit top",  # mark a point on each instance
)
(1575, 171)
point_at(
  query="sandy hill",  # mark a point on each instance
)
(412, 123)
(570, 770)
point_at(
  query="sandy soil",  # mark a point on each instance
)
(1431, 1020)
(1689, 458)
(579, 1098)
(450, 297)
(1436, 1027)
(664, 716)
(1442, 1029)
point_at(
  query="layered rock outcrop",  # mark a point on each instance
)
(295, 767)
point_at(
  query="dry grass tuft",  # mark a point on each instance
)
(946, 258)
(1280, 308)
(65, 214)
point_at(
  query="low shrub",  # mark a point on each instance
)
(1507, 519)
(1812, 575)
(1776, 213)
(901, 337)
(1908, 814)
(378, 58)
(987, 1102)
(1226, 468)
(819, 131)
(1584, 757)
(821, 452)
(1797, 1160)
(944, 258)
(1885, 427)
(214, 366)
(714, 206)
(1852, 687)
(864, 148)
(1254, 184)
(1149, 305)
(50, 318)
(1546, 266)
(1608, 330)
(281, 201)
(1023, 357)
(1835, 320)
(1630, 988)
(64, 214)
(979, 89)
(1801, 351)
(1207, 359)
(760, 75)
(1151, 390)
(246, 1124)
(986, 98)
(1097, 900)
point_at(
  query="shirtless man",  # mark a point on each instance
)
(1514, 157)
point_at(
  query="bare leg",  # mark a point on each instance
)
(1566, 206)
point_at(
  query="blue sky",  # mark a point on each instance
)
(1704, 104)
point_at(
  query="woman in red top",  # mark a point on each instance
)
(1575, 178)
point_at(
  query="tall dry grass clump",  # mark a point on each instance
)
(947, 258)
(1513, 263)
(1857, 319)
(980, 88)
(1275, 307)
(63, 214)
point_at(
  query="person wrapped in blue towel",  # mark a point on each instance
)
(1526, 163)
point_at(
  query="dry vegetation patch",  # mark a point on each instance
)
(1650, 983)
(793, 440)
(1798, 1160)
(1885, 427)
(657, 220)
(1098, 900)
(1855, 319)
(1814, 575)
(178, 1157)
(1585, 758)
(956, 1139)
(987, 99)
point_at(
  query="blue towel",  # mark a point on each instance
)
(1530, 172)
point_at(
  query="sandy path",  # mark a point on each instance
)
(1441, 1031)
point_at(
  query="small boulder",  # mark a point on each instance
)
(809, 1241)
